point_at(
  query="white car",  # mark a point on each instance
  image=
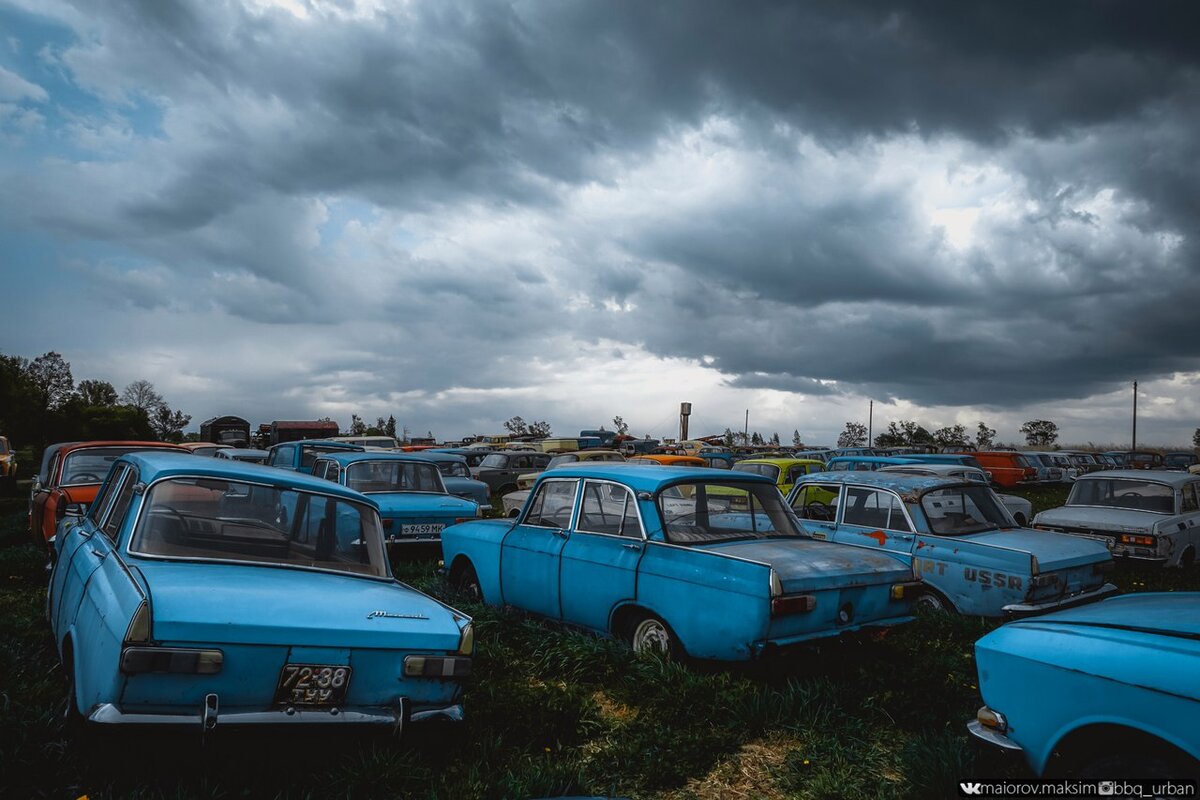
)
(1020, 508)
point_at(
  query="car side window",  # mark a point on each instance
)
(817, 501)
(541, 461)
(52, 475)
(552, 504)
(871, 508)
(116, 515)
(102, 501)
(608, 508)
(322, 469)
(1190, 499)
(795, 473)
(282, 455)
(521, 462)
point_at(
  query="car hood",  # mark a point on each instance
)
(809, 565)
(425, 503)
(1053, 550)
(1168, 613)
(1100, 519)
(245, 604)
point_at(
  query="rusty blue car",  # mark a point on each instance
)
(684, 561)
(1099, 692)
(186, 598)
(970, 553)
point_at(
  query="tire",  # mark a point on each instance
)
(1188, 558)
(931, 602)
(649, 634)
(465, 580)
(1020, 520)
(74, 722)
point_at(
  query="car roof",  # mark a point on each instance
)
(875, 460)
(780, 462)
(1175, 479)
(244, 451)
(375, 455)
(648, 478)
(899, 482)
(73, 446)
(440, 455)
(931, 466)
(351, 446)
(153, 466)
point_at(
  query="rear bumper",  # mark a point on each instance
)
(775, 645)
(1028, 609)
(209, 716)
(984, 734)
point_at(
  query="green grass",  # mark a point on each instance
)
(551, 712)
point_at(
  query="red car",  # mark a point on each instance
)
(1008, 468)
(73, 477)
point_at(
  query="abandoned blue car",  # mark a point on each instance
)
(456, 474)
(184, 597)
(969, 552)
(1104, 691)
(407, 489)
(694, 561)
(300, 456)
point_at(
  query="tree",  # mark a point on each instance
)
(516, 426)
(357, 426)
(796, 440)
(775, 439)
(853, 435)
(621, 426)
(1196, 438)
(985, 437)
(141, 395)
(1040, 432)
(389, 428)
(100, 394)
(728, 437)
(168, 425)
(539, 429)
(50, 377)
(904, 433)
(756, 438)
(955, 436)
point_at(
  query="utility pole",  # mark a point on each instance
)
(746, 430)
(1134, 447)
(870, 423)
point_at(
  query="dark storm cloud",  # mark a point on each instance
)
(814, 271)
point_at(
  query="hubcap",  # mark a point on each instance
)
(930, 601)
(651, 636)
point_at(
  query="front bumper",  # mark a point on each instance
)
(994, 738)
(1028, 609)
(209, 716)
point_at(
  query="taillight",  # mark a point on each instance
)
(171, 659)
(459, 520)
(1144, 541)
(795, 604)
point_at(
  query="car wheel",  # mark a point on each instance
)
(73, 718)
(649, 634)
(506, 488)
(1021, 520)
(466, 581)
(931, 602)
(1188, 558)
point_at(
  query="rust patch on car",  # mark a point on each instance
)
(878, 536)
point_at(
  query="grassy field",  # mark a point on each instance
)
(551, 712)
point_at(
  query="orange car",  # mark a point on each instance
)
(1008, 467)
(73, 477)
(669, 460)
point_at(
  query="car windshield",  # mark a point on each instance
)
(559, 461)
(310, 452)
(205, 518)
(495, 461)
(453, 469)
(715, 511)
(206, 451)
(1130, 493)
(1174, 459)
(959, 510)
(370, 477)
(250, 457)
(766, 470)
(90, 465)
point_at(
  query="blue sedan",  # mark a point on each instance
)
(1104, 691)
(187, 597)
(695, 561)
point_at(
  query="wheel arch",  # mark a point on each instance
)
(626, 614)
(1076, 746)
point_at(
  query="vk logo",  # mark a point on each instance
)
(971, 788)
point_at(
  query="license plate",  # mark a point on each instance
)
(312, 685)
(422, 529)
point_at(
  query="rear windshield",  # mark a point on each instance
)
(91, 465)
(559, 461)
(961, 510)
(714, 511)
(454, 469)
(370, 477)
(766, 470)
(1130, 493)
(495, 461)
(204, 518)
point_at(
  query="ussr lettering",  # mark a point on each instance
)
(988, 578)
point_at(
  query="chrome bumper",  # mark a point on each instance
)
(1025, 609)
(977, 729)
(209, 716)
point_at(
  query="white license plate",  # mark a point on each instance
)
(422, 529)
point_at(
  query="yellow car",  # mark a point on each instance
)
(784, 471)
(563, 459)
(8, 465)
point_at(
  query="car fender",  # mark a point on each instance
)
(479, 542)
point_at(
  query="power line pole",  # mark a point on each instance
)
(1134, 447)
(746, 431)
(870, 423)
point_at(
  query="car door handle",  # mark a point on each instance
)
(100, 554)
(632, 546)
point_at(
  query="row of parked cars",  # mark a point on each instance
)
(305, 624)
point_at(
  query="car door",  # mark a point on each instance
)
(600, 557)
(37, 507)
(817, 505)
(874, 518)
(1189, 521)
(531, 552)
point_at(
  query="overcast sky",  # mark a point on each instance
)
(455, 212)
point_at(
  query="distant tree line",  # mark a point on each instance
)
(40, 403)
(908, 433)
